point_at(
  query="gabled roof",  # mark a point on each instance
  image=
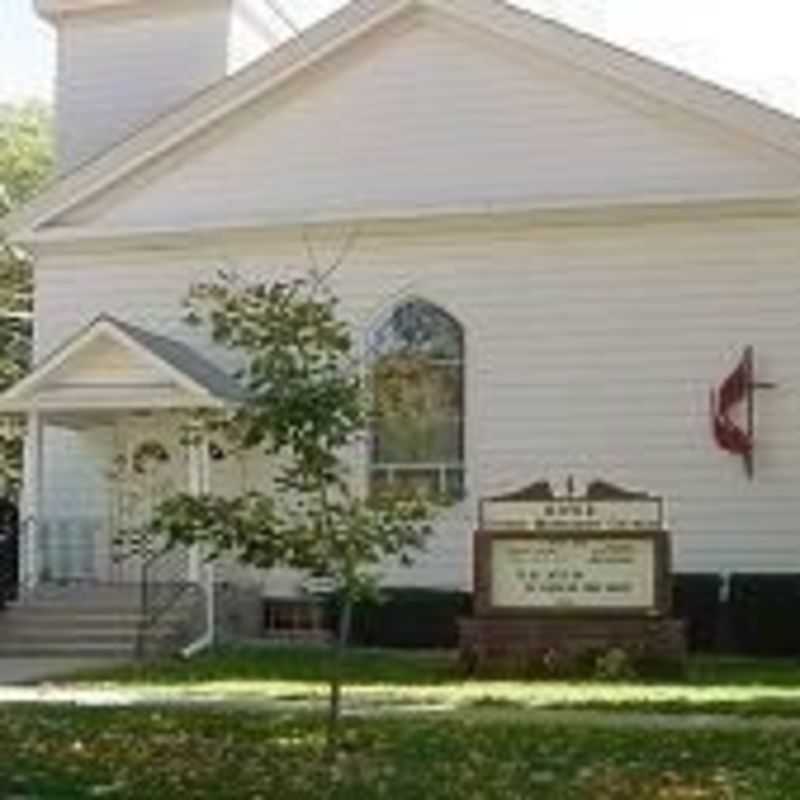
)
(186, 361)
(762, 125)
(200, 382)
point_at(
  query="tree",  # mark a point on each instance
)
(26, 152)
(26, 161)
(307, 408)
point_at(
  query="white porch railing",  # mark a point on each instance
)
(28, 554)
(79, 549)
(75, 548)
(69, 549)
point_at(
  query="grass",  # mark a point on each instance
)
(377, 680)
(482, 746)
(301, 665)
(133, 753)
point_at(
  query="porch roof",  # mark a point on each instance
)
(112, 364)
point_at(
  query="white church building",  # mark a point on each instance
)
(592, 239)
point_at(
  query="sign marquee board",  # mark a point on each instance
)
(564, 572)
(605, 552)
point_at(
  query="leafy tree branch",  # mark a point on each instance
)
(307, 408)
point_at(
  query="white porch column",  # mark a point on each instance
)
(199, 484)
(203, 574)
(32, 500)
(208, 567)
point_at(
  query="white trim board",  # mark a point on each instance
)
(411, 221)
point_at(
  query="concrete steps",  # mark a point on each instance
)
(67, 651)
(59, 618)
(72, 622)
(72, 636)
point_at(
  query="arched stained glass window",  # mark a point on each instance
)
(417, 359)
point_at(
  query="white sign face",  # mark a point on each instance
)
(563, 573)
(572, 515)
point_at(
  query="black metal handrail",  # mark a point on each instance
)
(165, 584)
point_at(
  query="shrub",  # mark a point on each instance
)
(696, 599)
(614, 665)
(410, 618)
(764, 611)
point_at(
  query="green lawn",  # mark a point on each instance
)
(379, 680)
(471, 740)
(89, 753)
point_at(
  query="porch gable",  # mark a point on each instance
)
(112, 364)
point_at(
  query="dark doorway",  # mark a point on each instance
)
(9, 550)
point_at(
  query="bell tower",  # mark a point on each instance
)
(122, 63)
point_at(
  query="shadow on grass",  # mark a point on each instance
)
(378, 681)
(130, 754)
(286, 665)
(708, 670)
(399, 668)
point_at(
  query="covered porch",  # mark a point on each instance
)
(124, 401)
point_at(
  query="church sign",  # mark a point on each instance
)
(569, 572)
(573, 573)
(573, 515)
(603, 552)
(604, 508)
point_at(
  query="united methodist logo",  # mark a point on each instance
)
(733, 410)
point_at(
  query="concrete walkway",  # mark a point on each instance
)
(165, 698)
(26, 671)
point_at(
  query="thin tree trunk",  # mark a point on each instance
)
(339, 647)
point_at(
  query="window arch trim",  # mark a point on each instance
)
(420, 443)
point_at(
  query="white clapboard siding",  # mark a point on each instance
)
(435, 117)
(591, 351)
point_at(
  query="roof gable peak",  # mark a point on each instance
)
(769, 129)
(190, 378)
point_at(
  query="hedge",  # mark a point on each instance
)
(764, 612)
(760, 617)
(696, 599)
(410, 618)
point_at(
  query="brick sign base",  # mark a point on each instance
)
(520, 647)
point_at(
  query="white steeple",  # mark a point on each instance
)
(122, 63)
